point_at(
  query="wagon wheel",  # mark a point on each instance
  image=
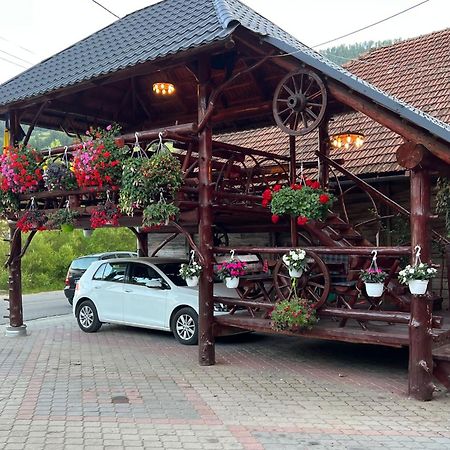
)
(299, 102)
(314, 284)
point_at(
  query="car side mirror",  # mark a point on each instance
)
(157, 283)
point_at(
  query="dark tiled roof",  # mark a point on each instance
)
(417, 71)
(171, 27)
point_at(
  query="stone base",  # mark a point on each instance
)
(16, 331)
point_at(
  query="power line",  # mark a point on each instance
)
(16, 57)
(106, 9)
(17, 45)
(372, 24)
(12, 62)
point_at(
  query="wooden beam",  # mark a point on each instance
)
(206, 345)
(389, 119)
(416, 156)
(420, 371)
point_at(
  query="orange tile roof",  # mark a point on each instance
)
(416, 71)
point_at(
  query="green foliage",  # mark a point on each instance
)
(9, 203)
(159, 213)
(47, 259)
(294, 314)
(443, 201)
(346, 52)
(144, 179)
(305, 202)
(61, 217)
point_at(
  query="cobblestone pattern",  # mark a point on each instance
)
(130, 388)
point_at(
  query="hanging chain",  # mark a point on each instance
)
(417, 251)
(373, 264)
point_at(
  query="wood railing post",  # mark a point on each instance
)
(420, 372)
(142, 243)
(293, 180)
(206, 345)
(16, 325)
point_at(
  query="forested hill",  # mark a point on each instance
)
(343, 53)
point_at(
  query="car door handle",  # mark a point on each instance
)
(128, 290)
(97, 287)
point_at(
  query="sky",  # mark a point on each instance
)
(32, 30)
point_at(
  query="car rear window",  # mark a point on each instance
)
(114, 271)
(82, 263)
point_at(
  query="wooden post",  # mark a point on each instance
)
(142, 243)
(16, 326)
(293, 179)
(420, 373)
(324, 149)
(206, 346)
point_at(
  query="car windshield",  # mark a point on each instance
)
(83, 263)
(172, 271)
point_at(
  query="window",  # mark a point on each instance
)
(144, 275)
(82, 263)
(98, 275)
(172, 271)
(114, 272)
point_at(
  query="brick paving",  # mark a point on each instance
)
(130, 388)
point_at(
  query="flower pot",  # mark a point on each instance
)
(192, 281)
(67, 227)
(232, 282)
(374, 289)
(293, 273)
(87, 232)
(418, 287)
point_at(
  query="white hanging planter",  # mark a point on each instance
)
(374, 289)
(192, 281)
(418, 287)
(293, 273)
(87, 232)
(232, 282)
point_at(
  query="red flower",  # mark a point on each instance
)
(324, 198)
(302, 220)
(296, 187)
(315, 185)
(267, 194)
(265, 202)
(275, 218)
(276, 188)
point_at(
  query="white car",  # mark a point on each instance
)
(140, 292)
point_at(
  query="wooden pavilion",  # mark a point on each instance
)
(232, 69)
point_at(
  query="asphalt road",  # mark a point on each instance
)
(37, 306)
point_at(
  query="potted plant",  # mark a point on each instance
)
(158, 214)
(145, 179)
(294, 314)
(373, 279)
(20, 170)
(63, 219)
(33, 219)
(190, 272)
(106, 214)
(417, 277)
(9, 203)
(304, 201)
(296, 262)
(58, 176)
(98, 161)
(230, 271)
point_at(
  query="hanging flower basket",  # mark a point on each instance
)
(145, 179)
(373, 279)
(294, 314)
(20, 171)
(158, 214)
(230, 272)
(190, 272)
(304, 201)
(63, 219)
(418, 275)
(9, 203)
(33, 219)
(98, 162)
(58, 175)
(296, 262)
(106, 214)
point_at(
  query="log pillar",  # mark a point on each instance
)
(206, 346)
(420, 372)
(293, 180)
(142, 243)
(16, 325)
(324, 149)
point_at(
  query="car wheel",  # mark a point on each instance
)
(87, 317)
(185, 326)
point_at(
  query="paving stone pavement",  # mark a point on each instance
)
(131, 388)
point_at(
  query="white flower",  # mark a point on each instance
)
(286, 259)
(295, 257)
